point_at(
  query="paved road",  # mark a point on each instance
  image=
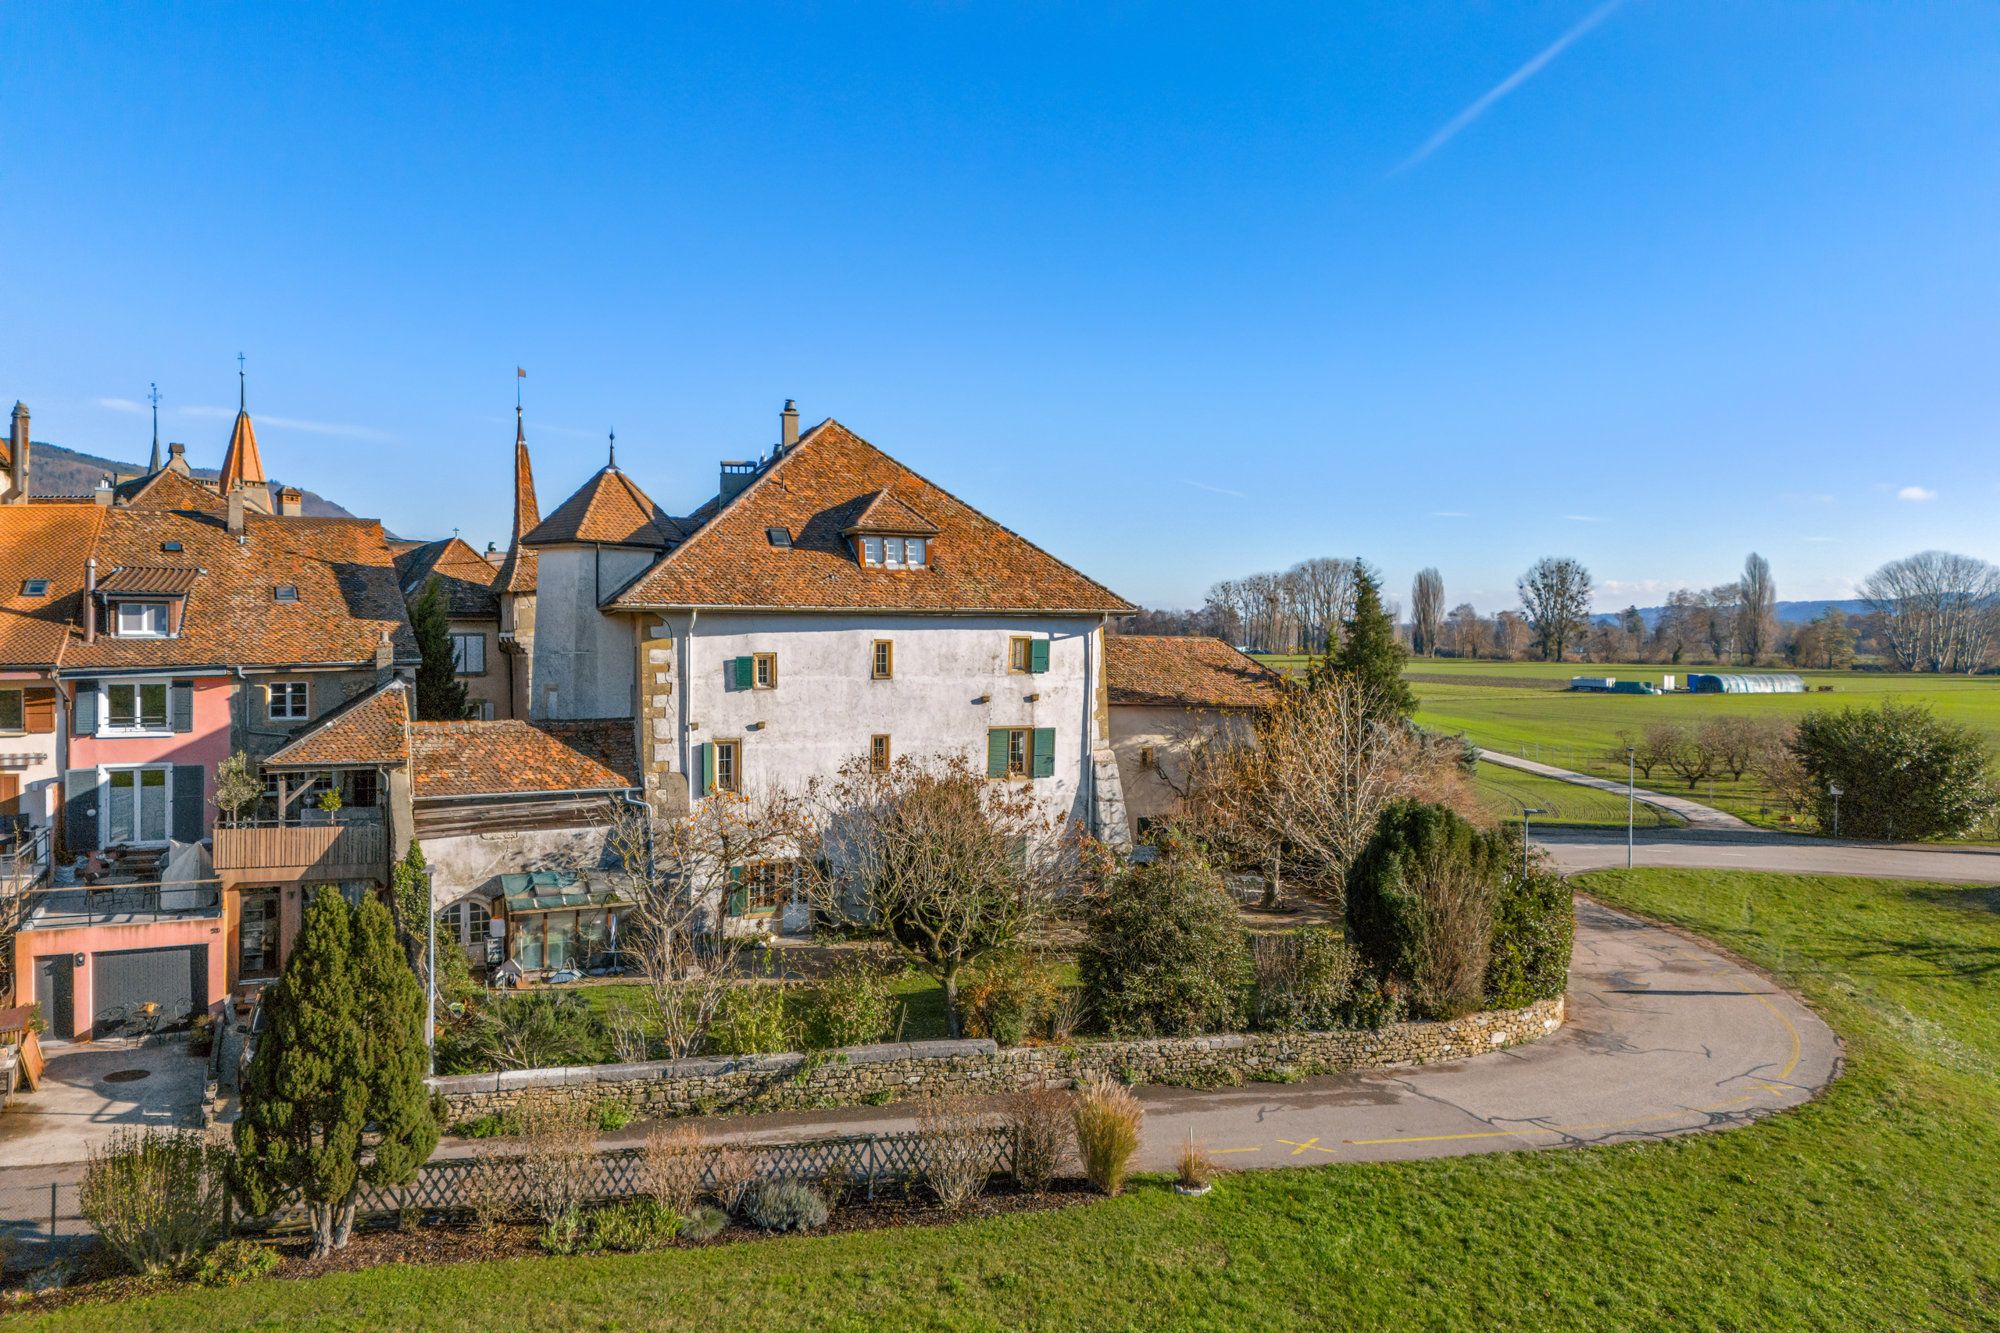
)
(1663, 1037)
(1573, 850)
(1694, 812)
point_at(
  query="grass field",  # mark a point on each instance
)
(1523, 708)
(1505, 792)
(1870, 1208)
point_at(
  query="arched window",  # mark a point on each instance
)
(465, 921)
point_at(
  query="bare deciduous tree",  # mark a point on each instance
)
(1467, 631)
(1938, 610)
(1757, 614)
(1426, 612)
(1555, 598)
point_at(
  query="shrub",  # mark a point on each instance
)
(486, 1188)
(1165, 953)
(155, 1198)
(671, 1166)
(1195, 1169)
(1534, 927)
(234, 1260)
(1107, 1118)
(750, 1020)
(1305, 981)
(613, 1115)
(1038, 1121)
(956, 1146)
(1067, 1014)
(490, 1125)
(1903, 772)
(541, 1029)
(1009, 998)
(563, 1233)
(784, 1205)
(558, 1156)
(733, 1171)
(1420, 904)
(704, 1223)
(849, 1006)
(631, 1225)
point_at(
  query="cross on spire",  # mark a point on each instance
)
(614, 451)
(242, 395)
(154, 397)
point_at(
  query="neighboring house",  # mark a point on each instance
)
(469, 585)
(827, 607)
(1168, 694)
(199, 623)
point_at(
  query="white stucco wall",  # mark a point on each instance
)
(1150, 790)
(464, 862)
(35, 758)
(825, 706)
(586, 657)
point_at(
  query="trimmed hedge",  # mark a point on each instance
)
(1534, 929)
(1165, 954)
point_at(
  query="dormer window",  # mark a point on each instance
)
(141, 620)
(895, 552)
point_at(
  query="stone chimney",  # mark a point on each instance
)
(788, 427)
(17, 447)
(177, 459)
(104, 495)
(291, 502)
(385, 660)
(236, 512)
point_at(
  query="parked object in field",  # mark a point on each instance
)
(1700, 682)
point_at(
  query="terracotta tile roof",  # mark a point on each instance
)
(1188, 671)
(373, 729)
(166, 580)
(168, 489)
(818, 490)
(609, 508)
(39, 541)
(465, 578)
(511, 757)
(885, 513)
(241, 461)
(348, 596)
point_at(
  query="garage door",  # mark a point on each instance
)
(137, 991)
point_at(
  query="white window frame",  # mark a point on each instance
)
(106, 835)
(271, 695)
(871, 552)
(459, 639)
(106, 727)
(118, 610)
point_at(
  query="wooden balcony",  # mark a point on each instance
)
(274, 853)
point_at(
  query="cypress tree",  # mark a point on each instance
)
(1369, 653)
(305, 1096)
(440, 693)
(403, 1111)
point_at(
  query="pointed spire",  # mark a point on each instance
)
(242, 464)
(613, 462)
(242, 391)
(526, 512)
(154, 465)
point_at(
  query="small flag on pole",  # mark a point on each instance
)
(520, 373)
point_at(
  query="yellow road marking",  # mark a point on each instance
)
(1437, 1138)
(1219, 1151)
(1298, 1147)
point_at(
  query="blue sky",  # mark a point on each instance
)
(1179, 291)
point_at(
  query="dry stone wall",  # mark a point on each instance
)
(863, 1075)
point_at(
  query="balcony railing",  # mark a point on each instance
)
(121, 904)
(248, 852)
(24, 855)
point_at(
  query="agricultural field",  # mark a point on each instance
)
(1868, 1208)
(1524, 708)
(1505, 792)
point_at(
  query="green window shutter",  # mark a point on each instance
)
(189, 805)
(742, 667)
(1038, 654)
(739, 895)
(86, 710)
(996, 753)
(705, 767)
(1045, 752)
(180, 700)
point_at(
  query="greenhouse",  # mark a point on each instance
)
(1761, 683)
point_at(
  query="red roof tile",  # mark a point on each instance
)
(1188, 671)
(818, 489)
(464, 577)
(373, 729)
(511, 757)
(39, 541)
(609, 508)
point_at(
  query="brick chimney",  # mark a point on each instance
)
(291, 502)
(17, 446)
(788, 427)
(236, 511)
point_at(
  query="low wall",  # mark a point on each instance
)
(862, 1075)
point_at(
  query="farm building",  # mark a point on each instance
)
(1758, 683)
(1611, 685)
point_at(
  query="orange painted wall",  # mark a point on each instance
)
(32, 944)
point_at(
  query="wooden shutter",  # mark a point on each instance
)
(1045, 752)
(80, 801)
(189, 802)
(180, 705)
(996, 753)
(744, 670)
(86, 711)
(10, 794)
(739, 893)
(1038, 654)
(38, 711)
(705, 768)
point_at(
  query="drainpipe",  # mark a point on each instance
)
(90, 600)
(686, 685)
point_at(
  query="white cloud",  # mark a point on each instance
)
(1218, 490)
(1486, 100)
(1639, 587)
(121, 405)
(1916, 494)
(339, 428)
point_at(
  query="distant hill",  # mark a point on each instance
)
(1789, 613)
(59, 471)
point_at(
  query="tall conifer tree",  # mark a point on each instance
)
(440, 693)
(1370, 653)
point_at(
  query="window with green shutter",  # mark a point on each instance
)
(704, 768)
(739, 892)
(741, 671)
(1038, 655)
(1044, 753)
(996, 752)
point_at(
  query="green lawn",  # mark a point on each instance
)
(1871, 1208)
(1522, 708)
(1506, 791)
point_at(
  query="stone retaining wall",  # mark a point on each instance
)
(863, 1075)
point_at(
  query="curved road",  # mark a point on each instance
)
(1574, 850)
(1663, 1037)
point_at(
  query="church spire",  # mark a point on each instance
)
(526, 513)
(154, 464)
(242, 464)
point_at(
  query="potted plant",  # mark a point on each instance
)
(328, 802)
